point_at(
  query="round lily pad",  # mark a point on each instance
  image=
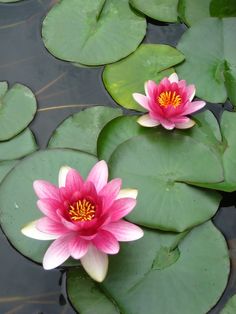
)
(17, 109)
(164, 169)
(5, 167)
(148, 62)
(20, 146)
(192, 283)
(192, 11)
(213, 73)
(81, 130)
(223, 8)
(93, 32)
(161, 10)
(230, 307)
(18, 200)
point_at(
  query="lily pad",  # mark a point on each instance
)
(17, 109)
(230, 307)
(223, 8)
(93, 32)
(164, 169)
(20, 146)
(81, 130)
(192, 284)
(148, 62)
(18, 200)
(5, 167)
(161, 10)
(213, 73)
(192, 11)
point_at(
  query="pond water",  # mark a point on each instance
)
(24, 286)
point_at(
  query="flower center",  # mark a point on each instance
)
(82, 210)
(169, 98)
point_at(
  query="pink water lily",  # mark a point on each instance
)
(84, 218)
(168, 103)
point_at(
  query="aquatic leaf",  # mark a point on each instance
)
(192, 11)
(223, 8)
(5, 167)
(230, 307)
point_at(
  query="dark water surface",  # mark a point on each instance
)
(25, 288)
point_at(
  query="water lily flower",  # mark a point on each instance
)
(168, 103)
(84, 218)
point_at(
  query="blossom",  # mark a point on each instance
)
(168, 103)
(84, 218)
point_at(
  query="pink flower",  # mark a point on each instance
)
(84, 217)
(168, 103)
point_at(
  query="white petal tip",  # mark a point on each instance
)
(32, 232)
(173, 78)
(146, 121)
(130, 193)
(62, 175)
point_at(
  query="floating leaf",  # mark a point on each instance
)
(161, 10)
(194, 282)
(230, 307)
(148, 62)
(5, 167)
(210, 59)
(17, 109)
(81, 130)
(223, 8)
(93, 32)
(192, 11)
(161, 168)
(18, 200)
(20, 146)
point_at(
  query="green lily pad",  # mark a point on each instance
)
(192, 11)
(161, 10)
(230, 307)
(5, 167)
(20, 146)
(18, 200)
(93, 32)
(148, 62)
(81, 130)
(17, 109)
(223, 8)
(192, 284)
(210, 59)
(161, 168)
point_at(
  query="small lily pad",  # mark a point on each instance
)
(5, 167)
(93, 32)
(230, 307)
(193, 283)
(81, 130)
(18, 200)
(161, 10)
(17, 109)
(164, 169)
(148, 62)
(18, 147)
(213, 73)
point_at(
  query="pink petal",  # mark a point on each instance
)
(98, 175)
(57, 253)
(95, 263)
(193, 107)
(185, 125)
(69, 225)
(141, 100)
(121, 208)
(78, 247)
(44, 189)
(180, 120)
(74, 181)
(146, 121)
(167, 124)
(130, 193)
(173, 78)
(50, 226)
(110, 191)
(191, 90)
(150, 88)
(106, 242)
(31, 231)
(62, 176)
(49, 208)
(124, 231)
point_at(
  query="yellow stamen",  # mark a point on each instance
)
(169, 98)
(82, 210)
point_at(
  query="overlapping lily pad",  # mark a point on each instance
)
(93, 32)
(161, 168)
(18, 200)
(210, 59)
(230, 307)
(148, 62)
(81, 130)
(18, 147)
(193, 283)
(192, 11)
(162, 10)
(5, 167)
(17, 109)
(223, 8)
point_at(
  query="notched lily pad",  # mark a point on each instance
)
(148, 62)
(194, 282)
(18, 208)
(81, 130)
(17, 109)
(93, 32)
